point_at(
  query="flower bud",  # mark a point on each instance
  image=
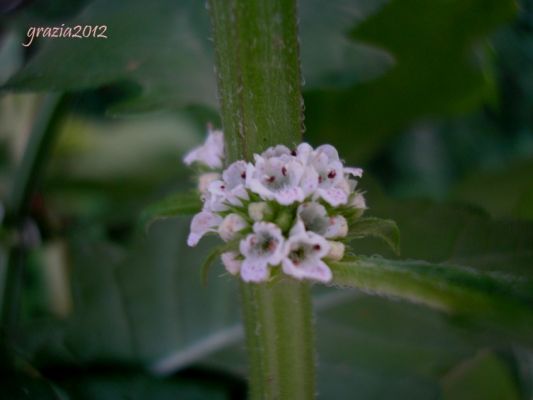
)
(260, 211)
(205, 179)
(358, 202)
(231, 262)
(336, 251)
(229, 227)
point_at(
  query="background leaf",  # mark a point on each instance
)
(171, 61)
(435, 72)
(174, 205)
(506, 300)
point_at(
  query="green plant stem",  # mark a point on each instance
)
(31, 166)
(258, 74)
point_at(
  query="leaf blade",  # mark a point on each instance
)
(503, 300)
(384, 229)
(174, 205)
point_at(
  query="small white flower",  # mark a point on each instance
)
(260, 249)
(229, 227)
(276, 179)
(215, 197)
(332, 184)
(234, 178)
(205, 179)
(315, 218)
(202, 223)
(303, 255)
(231, 261)
(211, 153)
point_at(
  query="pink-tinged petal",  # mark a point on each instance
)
(333, 195)
(303, 152)
(265, 243)
(321, 246)
(298, 229)
(210, 153)
(237, 194)
(337, 227)
(217, 187)
(235, 174)
(309, 181)
(329, 151)
(229, 227)
(276, 151)
(254, 270)
(206, 179)
(202, 223)
(358, 172)
(193, 239)
(257, 187)
(289, 195)
(316, 270)
(191, 156)
(313, 269)
(231, 262)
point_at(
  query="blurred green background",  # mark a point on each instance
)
(433, 99)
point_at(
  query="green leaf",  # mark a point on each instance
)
(504, 300)
(484, 376)
(162, 47)
(329, 58)
(444, 71)
(183, 76)
(409, 346)
(174, 205)
(456, 234)
(504, 193)
(114, 382)
(16, 385)
(384, 229)
(209, 260)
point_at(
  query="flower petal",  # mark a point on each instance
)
(202, 223)
(313, 269)
(235, 174)
(358, 172)
(289, 195)
(231, 262)
(254, 270)
(210, 153)
(229, 227)
(334, 196)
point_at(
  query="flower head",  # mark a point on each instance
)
(289, 208)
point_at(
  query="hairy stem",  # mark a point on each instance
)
(258, 71)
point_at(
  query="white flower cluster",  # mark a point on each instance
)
(289, 208)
